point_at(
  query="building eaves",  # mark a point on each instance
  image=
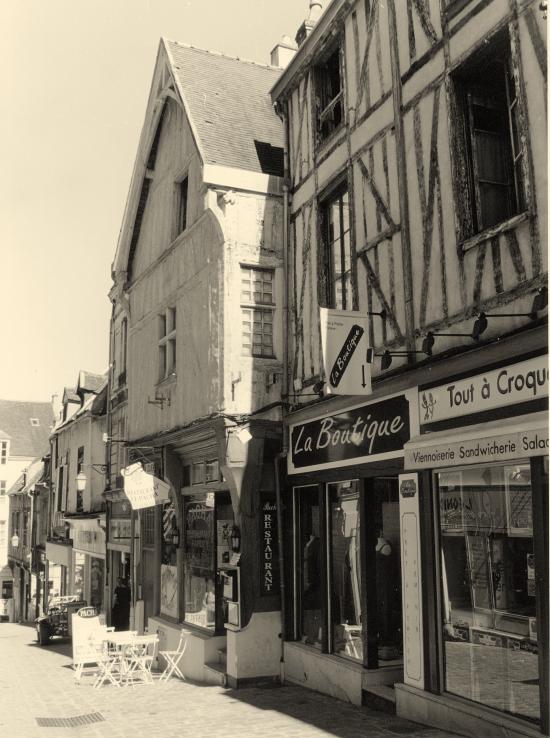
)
(306, 52)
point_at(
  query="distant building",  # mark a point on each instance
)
(24, 431)
(76, 540)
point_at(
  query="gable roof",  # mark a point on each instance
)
(28, 478)
(27, 439)
(229, 106)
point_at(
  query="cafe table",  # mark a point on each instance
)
(128, 658)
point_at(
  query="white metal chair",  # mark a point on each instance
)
(172, 658)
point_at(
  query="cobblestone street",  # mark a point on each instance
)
(37, 682)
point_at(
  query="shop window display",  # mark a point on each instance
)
(488, 585)
(200, 576)
(345, 570)
(311, 628)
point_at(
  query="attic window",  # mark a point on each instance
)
(35, 422)
(329, 95)
(270, 158)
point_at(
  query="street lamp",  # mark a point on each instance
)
(15, 541)
(81, 481)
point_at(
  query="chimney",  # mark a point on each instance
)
(315, 10)
(282, 53)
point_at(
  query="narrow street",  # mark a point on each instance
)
(37, 683)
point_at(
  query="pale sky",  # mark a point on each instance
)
(74, 80)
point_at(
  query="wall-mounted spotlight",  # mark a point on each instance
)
(428, 342)
(386, 357)
(540, 302)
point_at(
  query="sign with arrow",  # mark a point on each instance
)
(346, 353)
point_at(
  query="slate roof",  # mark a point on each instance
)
(229, 105)
(26, 479)
(27, 439)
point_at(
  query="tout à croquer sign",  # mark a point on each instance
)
(344, 339)
(369, 432)
(526, 380)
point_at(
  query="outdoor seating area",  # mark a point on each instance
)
(124, 658)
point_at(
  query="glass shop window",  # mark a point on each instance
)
(200, 561)
(311, 569)
(345, 570)
(488, 587)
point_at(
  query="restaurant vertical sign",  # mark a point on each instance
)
(269, 559)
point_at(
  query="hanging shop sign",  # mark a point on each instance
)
(345, 343)
(527, 380)
(142, 488)
(269, 559)
(361, 434)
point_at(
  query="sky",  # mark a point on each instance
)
(75, 77)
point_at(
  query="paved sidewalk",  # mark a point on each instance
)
(37, 682)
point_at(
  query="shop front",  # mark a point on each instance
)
(343, 620)
(88, 535)
(202, 549)
(118, 564)
(483, 489)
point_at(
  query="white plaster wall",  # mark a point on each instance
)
(255, 651)
(201, 649)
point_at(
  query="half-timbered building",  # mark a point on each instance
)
(416, 191)
(197, 343)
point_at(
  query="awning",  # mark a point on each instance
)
(58, 553)
(498, 440)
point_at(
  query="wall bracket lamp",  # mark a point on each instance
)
(540, 301)
(428, 342)
(81, 478)
(387, 357)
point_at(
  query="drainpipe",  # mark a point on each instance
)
(284, 388)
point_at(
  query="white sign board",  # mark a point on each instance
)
(143, 489)
(500, 447)
(345, 343)
(527, 380)
(413, 649)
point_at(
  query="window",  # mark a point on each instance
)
(60, 488)
(167, 343)
(183, 187)
(348, 589)
(257, 308)
(80, 468)
(35, 422)
(7, 590)
(123, 351)
(208, 518)
(3, 452)
(2, 486)
(490, 155)
(489, 586)
(335, 227)
(329, 95)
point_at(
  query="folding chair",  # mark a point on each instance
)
(140, 659)
(173, 658)
(110, 665)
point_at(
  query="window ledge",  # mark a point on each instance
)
(321, 145)
(488, 233)
(167, 381)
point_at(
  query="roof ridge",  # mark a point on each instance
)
(221, 53)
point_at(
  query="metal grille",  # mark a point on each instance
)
(71, 722)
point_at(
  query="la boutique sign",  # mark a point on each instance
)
(526, 380)
(366, 433)
(143, 489)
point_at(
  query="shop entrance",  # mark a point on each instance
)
(348, 573)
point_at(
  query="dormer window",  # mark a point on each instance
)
(329, 95)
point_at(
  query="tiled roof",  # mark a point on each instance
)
(229, 105)
(69, 395)
(28, 424)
